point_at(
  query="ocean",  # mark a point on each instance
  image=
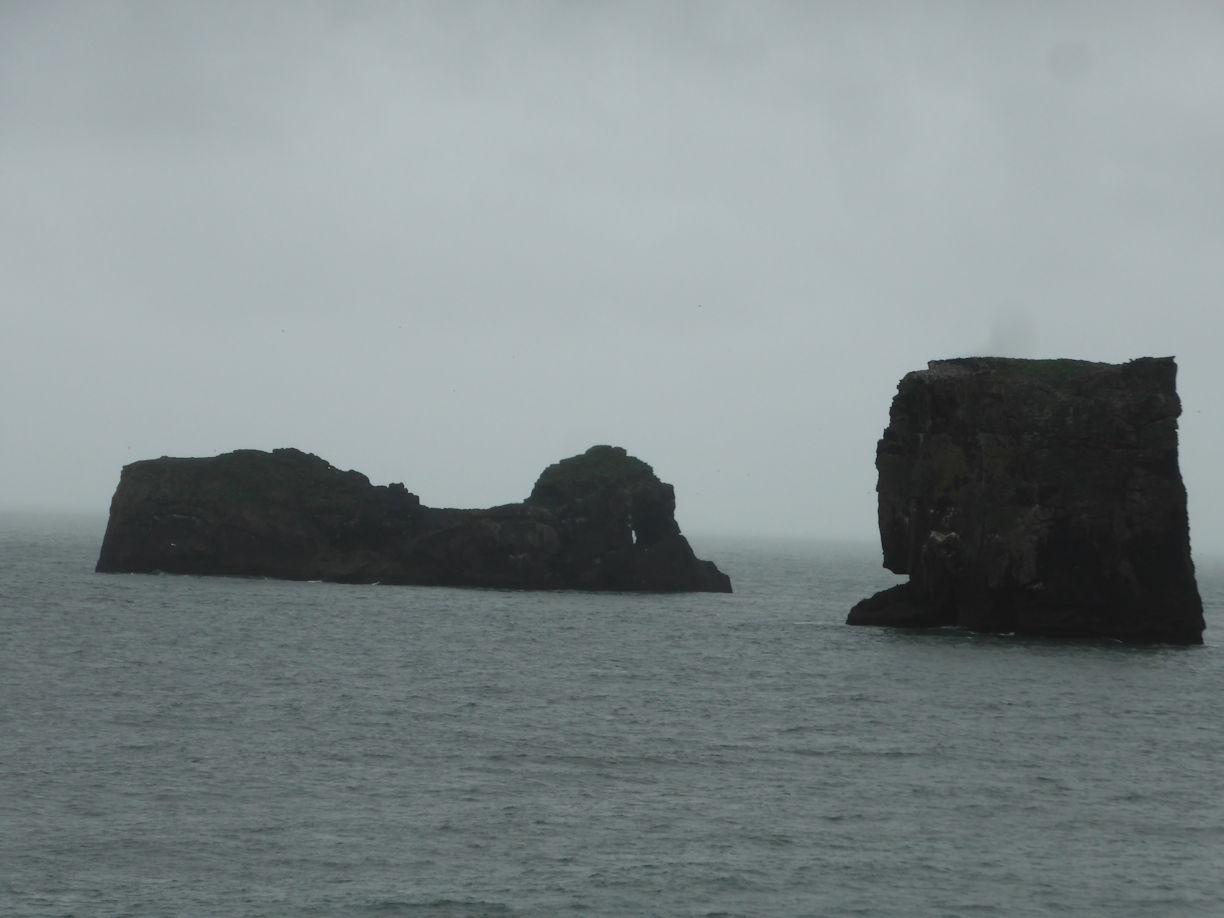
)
(182, 746)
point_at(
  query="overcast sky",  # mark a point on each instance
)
(450, 243)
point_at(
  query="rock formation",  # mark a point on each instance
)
(599, 521)
(1037, 496)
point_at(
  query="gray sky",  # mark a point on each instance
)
(450, 243)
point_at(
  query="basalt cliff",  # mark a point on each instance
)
(598, 521)
(1037, 496)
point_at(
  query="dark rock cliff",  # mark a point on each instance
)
(1037, 496)
(599, 521)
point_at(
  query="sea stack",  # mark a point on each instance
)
(598, 521)
(1040, 497)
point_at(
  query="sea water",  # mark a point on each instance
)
(183, 746)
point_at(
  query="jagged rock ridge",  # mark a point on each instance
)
(598, 521)
(1037, 496)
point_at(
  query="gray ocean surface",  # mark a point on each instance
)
(181, 746)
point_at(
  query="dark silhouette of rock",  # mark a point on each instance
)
(1037, 496)
(599, 521)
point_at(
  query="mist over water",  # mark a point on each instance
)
(451, 244)
(222, 747)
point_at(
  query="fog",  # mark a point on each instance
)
(450, 243)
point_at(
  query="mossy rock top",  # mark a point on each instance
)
(1051, 373)
(247, 474)
(598, 469)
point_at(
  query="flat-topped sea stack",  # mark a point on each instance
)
(1039, 497)
(598, 521)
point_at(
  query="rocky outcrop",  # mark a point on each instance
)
(1037, 496)
(598, 521)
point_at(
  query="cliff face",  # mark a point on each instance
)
(1037, 496)
(599, 521)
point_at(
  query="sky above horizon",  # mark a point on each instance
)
(449, 243)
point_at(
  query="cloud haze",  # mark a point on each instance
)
(450, 243)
